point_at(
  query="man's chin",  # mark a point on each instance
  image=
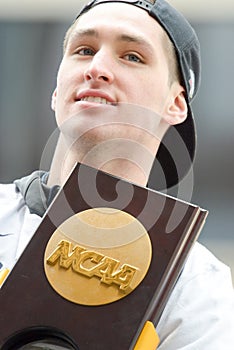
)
(104, 122)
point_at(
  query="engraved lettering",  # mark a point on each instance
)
(65, 258)
(90, 263)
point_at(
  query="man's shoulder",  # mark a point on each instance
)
(8, 191)
(203, 278)
(201, 305)
(203, 261)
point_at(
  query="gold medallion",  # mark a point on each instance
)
(97, 256)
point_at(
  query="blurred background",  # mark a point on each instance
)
(31, 36)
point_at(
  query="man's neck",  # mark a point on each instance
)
(135, 168)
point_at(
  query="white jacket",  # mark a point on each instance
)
(200, 312)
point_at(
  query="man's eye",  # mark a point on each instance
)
(86, 51)
(133, 58)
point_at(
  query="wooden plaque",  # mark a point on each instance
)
(103, 261)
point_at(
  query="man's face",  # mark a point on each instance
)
(114, 55)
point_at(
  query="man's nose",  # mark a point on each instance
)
(100, 68)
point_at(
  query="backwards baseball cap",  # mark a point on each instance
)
(177, 149)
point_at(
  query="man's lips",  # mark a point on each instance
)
(96, 98)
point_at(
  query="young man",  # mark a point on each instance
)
(129, 72)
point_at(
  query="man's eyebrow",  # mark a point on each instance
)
(135, 39)
(131, 38)
(79, 33)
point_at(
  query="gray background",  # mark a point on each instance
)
(30, 51)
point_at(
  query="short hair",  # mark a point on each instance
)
(67, 35)
(173, 64)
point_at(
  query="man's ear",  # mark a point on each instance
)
(53, 99)
(177, 109)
